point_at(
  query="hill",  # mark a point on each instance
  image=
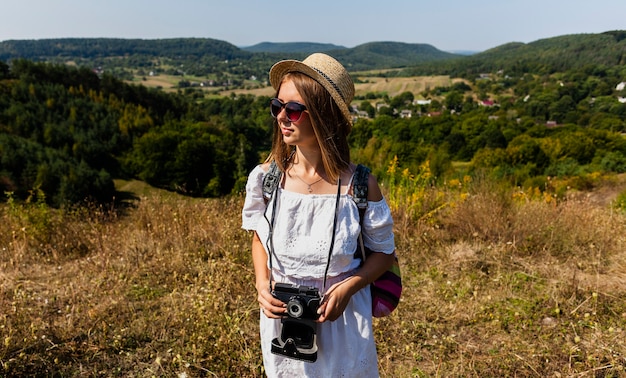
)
(390, 55)
(292, 47)
(549, 55)
(85, 48)
(203, 56)
(368, 56)
(564, 52)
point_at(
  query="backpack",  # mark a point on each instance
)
(387, 288)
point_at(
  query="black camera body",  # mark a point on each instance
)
(298, 336)
(302, 301)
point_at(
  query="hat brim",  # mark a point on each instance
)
(280, 69)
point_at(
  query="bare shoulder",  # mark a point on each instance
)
(374, 193)
(265, 166)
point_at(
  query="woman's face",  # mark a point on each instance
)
(299, 133)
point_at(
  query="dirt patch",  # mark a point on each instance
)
(606, 194)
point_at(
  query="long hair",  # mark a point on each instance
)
(329, 125)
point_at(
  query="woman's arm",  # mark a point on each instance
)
(338, 296)
(271, 306)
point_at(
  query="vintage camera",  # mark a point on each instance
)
(298, 335)
(302, 301)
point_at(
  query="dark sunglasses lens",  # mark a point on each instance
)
(275, 107)
(294, 111)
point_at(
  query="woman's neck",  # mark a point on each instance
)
(308, 161)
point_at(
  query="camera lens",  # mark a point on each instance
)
(295, 308)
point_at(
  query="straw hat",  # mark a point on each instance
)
(325, 70)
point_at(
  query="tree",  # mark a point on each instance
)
(526, 151)
(402, 100)
(386, 111)
(560, 109)
(4, 70)
(454, 101)
(367, 107)
(493, 137)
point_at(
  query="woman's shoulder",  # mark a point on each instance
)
(260, 169)
(255, 177)
(374, 193)
(264, 167)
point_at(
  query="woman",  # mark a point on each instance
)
(306, 234)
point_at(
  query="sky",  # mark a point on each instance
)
(449, 25)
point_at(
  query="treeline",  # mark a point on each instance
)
(108, 47)
(520, 129)
(183, 56)
(544, 56)
(206, 57)
(67, 133)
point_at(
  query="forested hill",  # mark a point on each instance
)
(69, 131)
(549, 55)
(390, 55)
(562, 53)
(85, 48)
(202, 56)
(195, 53)
(292, 47)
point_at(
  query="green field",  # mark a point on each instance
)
(365, 84)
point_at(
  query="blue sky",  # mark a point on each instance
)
(446, 24)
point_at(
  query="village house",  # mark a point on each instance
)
(361, 114)
(380, 105)
(406, 113)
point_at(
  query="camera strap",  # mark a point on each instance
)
(274, 176)
(332, 240)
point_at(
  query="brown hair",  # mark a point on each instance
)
(330, 126)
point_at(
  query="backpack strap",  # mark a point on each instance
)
(271, 180)
(359, 194)
(359, 187)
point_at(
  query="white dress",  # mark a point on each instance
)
(302, 237)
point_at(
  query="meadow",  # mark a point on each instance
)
(366, 83)
(497, 282)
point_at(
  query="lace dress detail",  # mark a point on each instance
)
(302, 236)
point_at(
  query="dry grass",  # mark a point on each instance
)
(393, 86)
(493, 287)
(397, 85)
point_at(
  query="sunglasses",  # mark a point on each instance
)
(293, 109)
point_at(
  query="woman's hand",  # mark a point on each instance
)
(270, 306)
(335, 301)
(338, 296)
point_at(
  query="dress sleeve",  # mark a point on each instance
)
(378, 227)
(254, 204)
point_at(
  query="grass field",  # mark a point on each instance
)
(497, 283)
(366, 84)
(390, 86)
(395, 86)
(167, 82)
